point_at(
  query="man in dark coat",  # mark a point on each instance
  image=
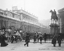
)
(40, 37)
(34, 38)
(12, 39)
(59, 39)
(45, 37)
(54, 41)
(27, 40)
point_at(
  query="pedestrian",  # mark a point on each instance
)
(34, 38)
(3, 39)
(16, 38)
(40, 37)
(12, 38)
(54, 40)
(27, 39)
(45, 37)
(59, 39)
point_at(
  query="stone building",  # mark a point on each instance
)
(19, 20)
(61, 19)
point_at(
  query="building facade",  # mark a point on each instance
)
(19, 19)
(61, 19)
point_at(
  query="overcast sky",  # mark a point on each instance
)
(39, 8)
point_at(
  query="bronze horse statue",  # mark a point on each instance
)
(54, 15)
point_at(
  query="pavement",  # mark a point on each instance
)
(19, 46)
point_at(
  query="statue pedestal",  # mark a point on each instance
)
(54, 29)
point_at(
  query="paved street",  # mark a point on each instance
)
(32, 47)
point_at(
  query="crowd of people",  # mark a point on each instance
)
(5, 37)
(40, 37)
(36, 38)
